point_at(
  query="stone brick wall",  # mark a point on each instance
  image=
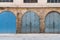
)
(41, 12)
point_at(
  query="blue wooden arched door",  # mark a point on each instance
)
(52, 22)
(7, 22)
(30, 23)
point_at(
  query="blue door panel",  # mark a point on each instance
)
(52, 22)
(49, 23)
(35, 23)
(25, 23)
(7, 22)
(30, 23)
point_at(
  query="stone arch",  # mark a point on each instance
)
(52, 22)
(28, 23)
(7, 22)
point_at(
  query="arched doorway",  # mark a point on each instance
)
(30, 23)
(52, 22)
(7, 22)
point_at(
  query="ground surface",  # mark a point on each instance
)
(29, 36)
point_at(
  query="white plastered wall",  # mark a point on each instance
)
(20, 3)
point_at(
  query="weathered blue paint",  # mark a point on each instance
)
(7, 22)
(52, 22)
(30, 23)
